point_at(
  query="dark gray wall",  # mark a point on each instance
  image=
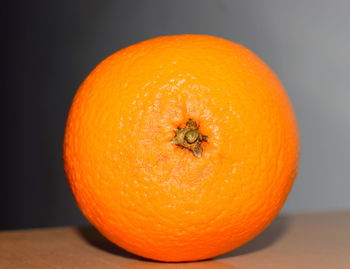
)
(50, 46)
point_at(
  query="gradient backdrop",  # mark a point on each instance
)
(50, 46)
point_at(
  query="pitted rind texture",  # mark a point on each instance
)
(155, 199)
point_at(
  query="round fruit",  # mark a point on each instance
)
(181, 148)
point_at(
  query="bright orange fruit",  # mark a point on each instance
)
(181, 148)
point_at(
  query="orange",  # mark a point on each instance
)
(181, 148)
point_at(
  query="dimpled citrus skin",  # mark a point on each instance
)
(155, 199)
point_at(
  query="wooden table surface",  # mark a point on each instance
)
(318, 240)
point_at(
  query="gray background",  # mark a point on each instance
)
(52, 46)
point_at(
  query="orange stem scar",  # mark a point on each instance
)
(190, 138)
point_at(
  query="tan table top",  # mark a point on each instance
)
(318, 240)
